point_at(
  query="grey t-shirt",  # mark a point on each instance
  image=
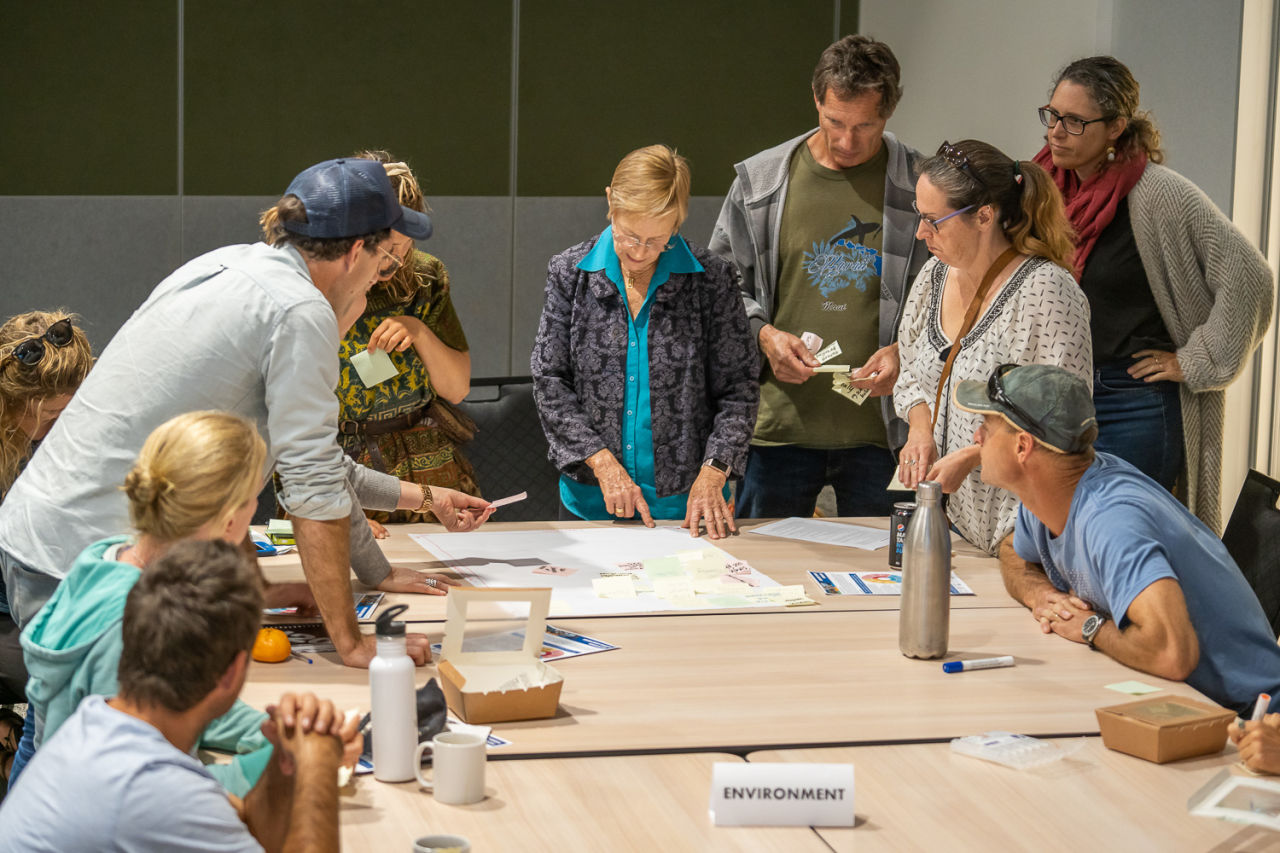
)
(109, 781)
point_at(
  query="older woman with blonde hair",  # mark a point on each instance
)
(997, 290)
(645, 374)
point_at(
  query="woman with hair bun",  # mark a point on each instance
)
(1180, 298)
(197, 478)
(997, 291)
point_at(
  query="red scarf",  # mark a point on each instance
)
(1091, 204)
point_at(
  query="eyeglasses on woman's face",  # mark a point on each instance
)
(934, 223)
(1073, 125)
(627, 240)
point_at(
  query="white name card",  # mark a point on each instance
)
(781, 794)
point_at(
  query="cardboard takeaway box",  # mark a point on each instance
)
(1164, 728)
(498, 686)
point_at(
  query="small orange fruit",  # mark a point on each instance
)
(272, 646)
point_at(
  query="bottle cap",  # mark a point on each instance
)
(929, 490)
(388, 628)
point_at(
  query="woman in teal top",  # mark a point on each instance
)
(197, 477)
(644, 370)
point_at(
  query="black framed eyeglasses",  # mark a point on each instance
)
(30, 351)
(953, 155)
(1071, 124)
(997, 394)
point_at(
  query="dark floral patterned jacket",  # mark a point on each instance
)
(703, 369)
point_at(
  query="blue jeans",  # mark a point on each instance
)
(26, 747)
(785, 481)
(1141, 422)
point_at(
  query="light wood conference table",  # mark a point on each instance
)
(638, 802)
(787, 561)
(924, 797)
(733, 682)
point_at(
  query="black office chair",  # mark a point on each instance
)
(509, 451)
(1252, 538)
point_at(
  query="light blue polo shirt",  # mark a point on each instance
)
(1124, 533)
(586, 501)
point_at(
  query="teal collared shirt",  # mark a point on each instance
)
(586, 501)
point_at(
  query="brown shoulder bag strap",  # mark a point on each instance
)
(970, 317)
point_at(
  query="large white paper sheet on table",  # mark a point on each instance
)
(520, 558)
(826, 532)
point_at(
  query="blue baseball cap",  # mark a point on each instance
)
(347, 198)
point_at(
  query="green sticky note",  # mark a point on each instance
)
(1133, 688)
(673, 589)
(663, 567)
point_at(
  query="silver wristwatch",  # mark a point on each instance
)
(1092, 626)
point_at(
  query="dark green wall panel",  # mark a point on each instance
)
(718, 79)
(89, 102)
(274, 87)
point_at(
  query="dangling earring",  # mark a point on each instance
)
(1111, 153)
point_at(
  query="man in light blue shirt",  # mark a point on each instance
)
(1104, 555)
(252, 330)
(119, 773)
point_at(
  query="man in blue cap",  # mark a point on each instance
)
(251, 329)
(1104, 555)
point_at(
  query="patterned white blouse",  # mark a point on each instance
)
(1039, 316)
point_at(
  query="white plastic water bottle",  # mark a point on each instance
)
(394, 702)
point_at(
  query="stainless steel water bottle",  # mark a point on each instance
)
(924, 623)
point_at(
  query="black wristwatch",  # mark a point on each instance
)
(1092, 626)
(712, 462)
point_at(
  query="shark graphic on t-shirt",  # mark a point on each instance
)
(844, 260)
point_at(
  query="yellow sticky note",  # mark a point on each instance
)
(620, 586)
(703, 563)
(706, 585)
(726, 601)
(795, 596)
(374, 367)
(765, 595)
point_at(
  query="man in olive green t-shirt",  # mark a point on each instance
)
(822, 231)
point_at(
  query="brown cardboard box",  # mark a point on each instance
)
(498, 686)
(1164, 728)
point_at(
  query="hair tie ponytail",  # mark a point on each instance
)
(1017, 173)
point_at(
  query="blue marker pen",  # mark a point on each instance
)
(983, 663)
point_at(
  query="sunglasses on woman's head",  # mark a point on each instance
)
(31, 351)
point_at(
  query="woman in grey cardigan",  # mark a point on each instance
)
(1179, 297)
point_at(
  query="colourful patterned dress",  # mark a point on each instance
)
(422, 453)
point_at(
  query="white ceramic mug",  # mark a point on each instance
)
(457, 767)
(441, 843)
